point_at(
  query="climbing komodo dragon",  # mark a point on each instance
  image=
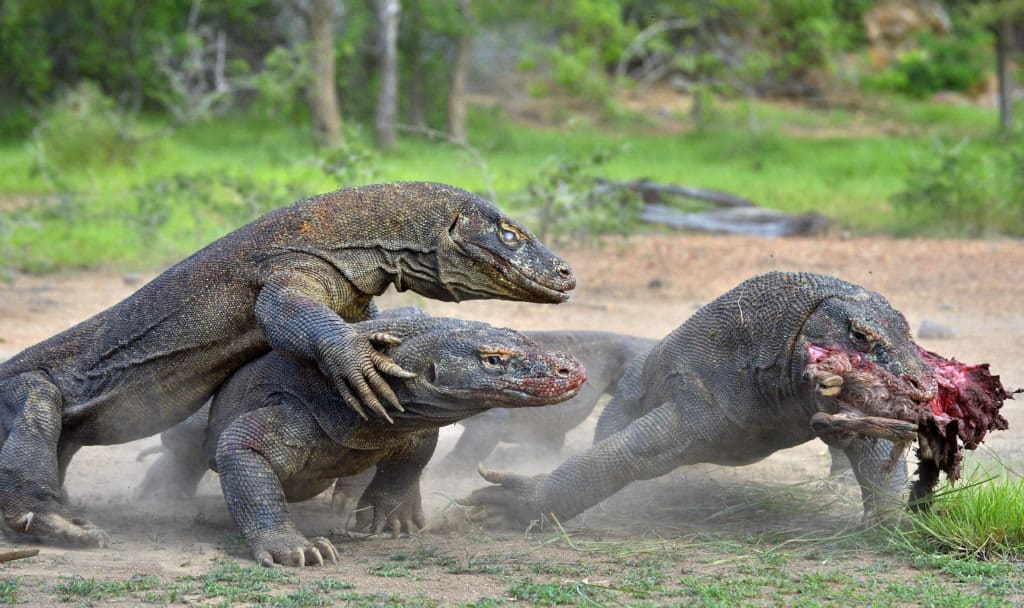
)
(291, 280)
(276, 431)
(729, 387)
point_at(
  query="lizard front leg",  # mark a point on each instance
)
(296, 309)
(881, 473)
(253, 453)
(650, 446)
(393, 497)
(30, 474)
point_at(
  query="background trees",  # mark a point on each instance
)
(360, 60)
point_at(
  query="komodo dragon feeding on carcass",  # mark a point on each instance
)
(277, 431)
(291, 280)
(762, 368)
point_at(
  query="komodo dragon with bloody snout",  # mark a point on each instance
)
(276, 430)
(758, 370)
(291, 280)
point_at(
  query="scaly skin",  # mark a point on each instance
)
(728, 387)
(292, 280)
(277, 431)
(605, 356)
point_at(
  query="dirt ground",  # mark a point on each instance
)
(644, 285)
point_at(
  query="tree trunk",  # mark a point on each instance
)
(322, 93)
(387, 98)
(417, 83)
(1004, 40)
(460, 74)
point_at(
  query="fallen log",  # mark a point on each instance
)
(652, 192)
(740, 220)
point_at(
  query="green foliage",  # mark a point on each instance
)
(982, 520)
(78, 587)
(965, 190)
(570, 202)
(939, 63)
(84, 129)
(9, 590)
(353, 163)
(553, 594)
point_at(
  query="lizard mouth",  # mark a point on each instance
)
(541, 287)
(530, 399)
(951, 409)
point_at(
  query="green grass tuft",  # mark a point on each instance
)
(983, 519)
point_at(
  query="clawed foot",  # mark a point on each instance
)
(295, 550)
(58, 527)
(510, 503)
(398, 515)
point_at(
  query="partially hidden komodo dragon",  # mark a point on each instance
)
(747, 375)
(276, 430)
(291, 280)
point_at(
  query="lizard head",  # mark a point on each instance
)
(874, 368)
(485, 254)
(860, 352)
(465, 369)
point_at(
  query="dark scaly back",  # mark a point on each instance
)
(746, 346)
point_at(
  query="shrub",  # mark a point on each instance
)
(961, 191)
(570, 203)
(939, 63)
(84, 128)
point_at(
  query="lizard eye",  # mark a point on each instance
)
(858, 335)
(492, 359)
(509, 234)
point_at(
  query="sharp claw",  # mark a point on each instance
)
(25, 521)
(301, 557)
(353, 403)
(318, 559)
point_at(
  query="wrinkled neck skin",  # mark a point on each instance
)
(425, 408)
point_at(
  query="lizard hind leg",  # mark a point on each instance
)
(30, 490)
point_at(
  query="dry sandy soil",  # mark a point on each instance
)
(645, 285)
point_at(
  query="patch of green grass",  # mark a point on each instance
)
(553, 594)
(384, 600)
(9, 590)
(404, 563)
(484, 602)
(78, 587)
(235, 582)
(479, 564)
(983, 519)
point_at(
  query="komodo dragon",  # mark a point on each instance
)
(276, 430)
(605, 356)
(728, 387)
(291, 280)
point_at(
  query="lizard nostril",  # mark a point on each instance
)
(563, 372)
(565, 271)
